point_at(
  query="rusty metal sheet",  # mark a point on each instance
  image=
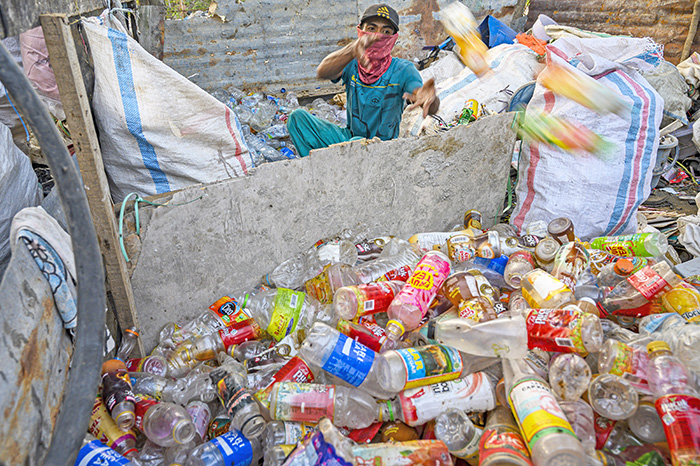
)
(275, 44)
(21, 15)
(666, 21)
(34, 366)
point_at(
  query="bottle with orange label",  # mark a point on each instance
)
(685, 300)
(412, 303)
(677, 403)
(545, 428)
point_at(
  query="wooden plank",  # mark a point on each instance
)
(64, 61)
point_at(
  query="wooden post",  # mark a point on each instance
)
(64, 61)
(692, 30)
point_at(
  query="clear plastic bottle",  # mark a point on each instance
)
(277, 455)
(505, 337)
(304, 402)
(645, 423)
(628, 362)
(518, 265)
(458, 433)
(168, 424)
(281, 311)
(541, 290)
(129, 339)
(93, 452)
(640, 288)
(570, 262)
(348, 360)
(580, 416)
(231, 383)
(612, 274)
(200, 413)
(229, 449)
(405, 368)
(285, 433)
(411, 304)
(249, 349)
(293, 272)
(612, 397)
(569, 376)
(350, 302)
(335, 276)
(396, 255)
(640, 244)
(208, 346)
(502, 443)
(677, 403)
(154, 364)
(550, 437)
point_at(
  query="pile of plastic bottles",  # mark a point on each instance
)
(471, 346)
(263, 120)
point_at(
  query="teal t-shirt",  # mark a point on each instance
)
(375, 109)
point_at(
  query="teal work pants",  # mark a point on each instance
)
(309, 132)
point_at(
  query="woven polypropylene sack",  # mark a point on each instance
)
(158, 131)
(599, 194)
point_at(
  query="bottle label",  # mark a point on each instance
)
(556, 330)
(143, 403)
(374, 339)
(116, 388)
(373, 298)
(470, 452)
(685, 300)
(473, 309)
(239, 332)
(350, 361)
(296, 431)
(235, 448)
(219, 426)
(680, 415)
(430, 364)
(320, 288)
(285, 316)
(460, 248)
(603, 428)
(295, 370)
(228, 311)
(536, 411)
(103, 427)
(655, 321)
(401, 274)
(600, 259)
(317, 452)
(470, 394)
(303, 402)
(631, 364)
(648, 282)
(424, 283)
(95, 453)
(414, 452)
(504, 445)
(233, 396)
(201, 415)
(624, 245)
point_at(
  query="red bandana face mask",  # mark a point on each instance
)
(379, 56)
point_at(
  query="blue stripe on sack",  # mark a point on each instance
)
(122, 65)
(646, 157)
(630, 143)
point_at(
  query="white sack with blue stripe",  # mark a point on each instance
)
(600, 195)
(513, 65)
(158, 131)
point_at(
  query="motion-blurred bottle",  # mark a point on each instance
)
(411, 304)
(676, 402)
(548, 434)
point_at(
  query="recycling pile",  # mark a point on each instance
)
(264, 121)
(471, 346)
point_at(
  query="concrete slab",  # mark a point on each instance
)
(242, 228)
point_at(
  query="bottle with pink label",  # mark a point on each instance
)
(412, 303)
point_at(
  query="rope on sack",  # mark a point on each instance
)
(137, 199)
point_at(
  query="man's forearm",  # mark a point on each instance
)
(333, 65)
(435, 106)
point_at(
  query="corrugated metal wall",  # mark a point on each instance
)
(666, 21)
(274, 44)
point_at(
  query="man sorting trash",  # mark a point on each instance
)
(376, 85)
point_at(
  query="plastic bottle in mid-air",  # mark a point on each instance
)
(304, 402)
(677, 403)
(411, 304)
(339, 355)
(545, 428)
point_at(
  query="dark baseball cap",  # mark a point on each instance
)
(382, 10)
